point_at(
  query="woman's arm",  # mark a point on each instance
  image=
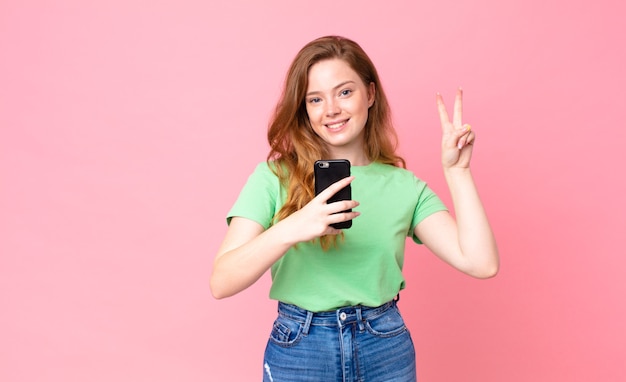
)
(468, 243)
(248, 250)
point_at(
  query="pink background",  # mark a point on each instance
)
(128, 127)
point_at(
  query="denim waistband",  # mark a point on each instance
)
(339, 317)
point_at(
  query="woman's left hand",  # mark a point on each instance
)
(458, 138)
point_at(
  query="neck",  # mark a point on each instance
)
(356, 159)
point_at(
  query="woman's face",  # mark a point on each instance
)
(337, 103)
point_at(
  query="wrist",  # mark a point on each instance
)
(287, 232)
(456, 171)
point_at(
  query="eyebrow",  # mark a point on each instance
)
(335, 88)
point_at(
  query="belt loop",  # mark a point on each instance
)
(307, 322)
(359, 318)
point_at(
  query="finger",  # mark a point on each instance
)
(470, 138)
(334, 188)
(443, 114)
(461, 135)
(341, 217)
(466, 139)
(341, 205)
(458, 108)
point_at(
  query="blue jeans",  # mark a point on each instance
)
(350, 344)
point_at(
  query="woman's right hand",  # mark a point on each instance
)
(314, 219)
(248, 250)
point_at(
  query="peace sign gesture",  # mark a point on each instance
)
(457, 139)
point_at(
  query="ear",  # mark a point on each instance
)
(371, 94)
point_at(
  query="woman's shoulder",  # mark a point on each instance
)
(263, 174)
(394, 174)
(388, 169)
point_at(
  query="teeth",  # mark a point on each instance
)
(336, 125)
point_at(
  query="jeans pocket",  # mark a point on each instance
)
(388, 324)
(286, 332)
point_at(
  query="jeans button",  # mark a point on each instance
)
(342, 316)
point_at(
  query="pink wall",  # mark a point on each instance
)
(128, 127)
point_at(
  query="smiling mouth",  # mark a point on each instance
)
(338, 125)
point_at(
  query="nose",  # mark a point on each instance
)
(332, 107)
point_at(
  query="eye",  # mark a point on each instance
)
(345, 92)
(314, 100)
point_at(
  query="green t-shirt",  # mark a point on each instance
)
(366, 266)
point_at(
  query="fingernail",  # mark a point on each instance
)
(460, 145)
(468, 128)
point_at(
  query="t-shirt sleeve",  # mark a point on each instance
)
(427, 204)
(258, 197)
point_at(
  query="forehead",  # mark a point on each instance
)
(327, 74)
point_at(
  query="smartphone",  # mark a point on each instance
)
(328, 172)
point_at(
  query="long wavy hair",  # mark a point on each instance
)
(295, 146)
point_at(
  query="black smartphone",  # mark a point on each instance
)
(328, 172)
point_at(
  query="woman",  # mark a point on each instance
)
(337, 314)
